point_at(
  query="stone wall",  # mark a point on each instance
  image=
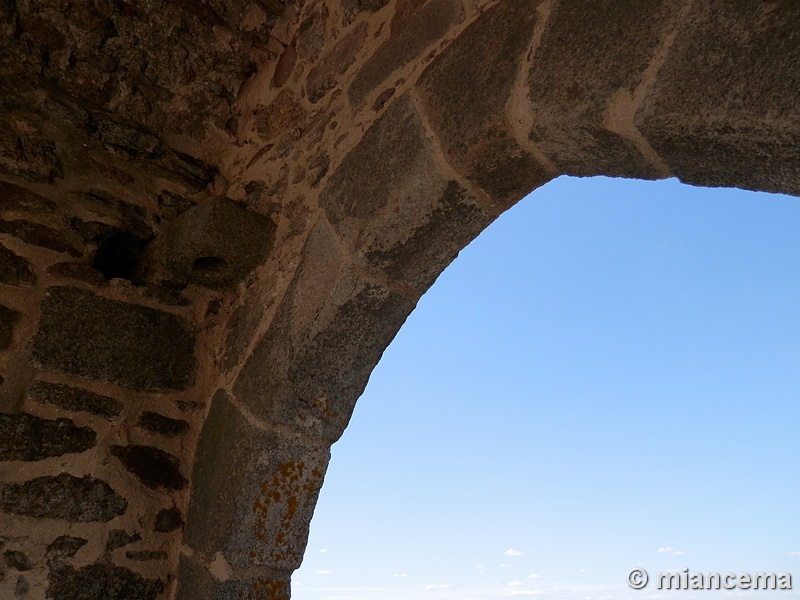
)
(214, 217)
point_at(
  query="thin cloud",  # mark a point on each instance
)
(398, 575)
(437, 586)
(324, 572)
(533, 576)
(671, 551)
(512, 552)
(795, 553)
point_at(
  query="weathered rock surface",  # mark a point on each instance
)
(324, 77)
(14, 269)
(8, 319)
(740, 126)
(161, 425)
(197, 582)
(215, 216)
(64, 496)
(413, 30)
(74, 399)
(119, 538)
(101, 582)
(26, 437)
(152, 466)
(463, 90)
(145, 555)
(63, 547)
(19, 199)
(39, 235)
(572, 84)
(214, 244)
(168, 519)
(135, 346)
(417, 237)
(16, 560)
(262, 519)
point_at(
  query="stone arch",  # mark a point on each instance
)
(288, 179)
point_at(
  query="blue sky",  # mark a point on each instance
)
(608, 377)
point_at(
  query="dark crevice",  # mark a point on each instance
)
(209, 264)
(118, 256)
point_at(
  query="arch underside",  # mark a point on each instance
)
(215, 216)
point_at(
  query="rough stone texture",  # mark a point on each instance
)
(289, 178)
(145, 555)
(120, 233)
(152, 466)
(464, 93)
(285, 66)
(17, 560)
(63, 47)
(26, 437)
(38, 235)
(351, 8)
(571, 84)
(282, 114)
(8, 319)
(171, 205)
(312, 382)
(331, 371)
(74, 399)
(161, 425)
(311, 34)
(18, 199)
(255, 513)
(168, 519)
(101, 582)
(99, 338)
(197, 582)
(391, 178)
(413, 30)
(215, 244)
(26, 156)
(85, 273)
(165, 296)
(14, 270)
(324, 77)
(730, 88)
(74, 499)
(63, 547)
(189, 406)
(119, 538)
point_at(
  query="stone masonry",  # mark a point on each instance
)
(215, 216)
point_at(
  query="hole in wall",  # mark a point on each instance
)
(606, 377)
(118, 255)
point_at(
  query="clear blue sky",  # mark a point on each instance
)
(608, 377)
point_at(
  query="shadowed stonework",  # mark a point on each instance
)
(102, 339)
(215, 216)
